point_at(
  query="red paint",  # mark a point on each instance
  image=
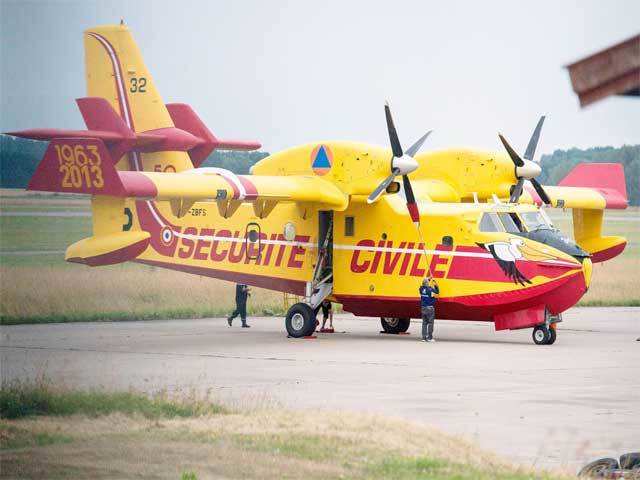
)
(297, 250)
(166, 139)
(607, 178)
(361, 267)
(186, 249)
(151, 225)
(138, 185)
(296, 287)
(235, 256)
(57, 174)
(608, 253)
(390, 262)
(125, 254)
(249, 187)
(529, 317)
(416, 271)
(186, 119)
(558, 295)
(405, 260)
(376, 257)
(487, 269)
(437, 260)
(413, 212)
(215, 255)
(198, 254)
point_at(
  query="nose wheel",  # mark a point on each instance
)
(543, 335)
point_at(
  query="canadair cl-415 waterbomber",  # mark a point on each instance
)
(357, 223)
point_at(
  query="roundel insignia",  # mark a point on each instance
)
(321, 160)
(166, 235)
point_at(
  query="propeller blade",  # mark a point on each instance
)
(396, 148)
(514, 156)
(382, 187)
(541, 193)
(533, 142)
(413, 149)
(517, 191)
(412, 206)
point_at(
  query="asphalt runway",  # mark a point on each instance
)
(549, 406)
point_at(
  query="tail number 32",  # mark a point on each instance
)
(79, 166)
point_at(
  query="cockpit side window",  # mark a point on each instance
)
(509, 223)
(490, 223)
(535, 221)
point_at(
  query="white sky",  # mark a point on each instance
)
(286, 73)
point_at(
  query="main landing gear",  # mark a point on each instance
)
(395, 325)
(300, 321)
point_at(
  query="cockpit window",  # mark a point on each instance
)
(535, 220)
(490, 223)
(511, 222)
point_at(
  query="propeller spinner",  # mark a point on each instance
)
(402, 163)
(528, 168)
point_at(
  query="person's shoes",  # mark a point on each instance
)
(229, 321)
(244, 325)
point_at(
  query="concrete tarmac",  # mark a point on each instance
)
(548, 406)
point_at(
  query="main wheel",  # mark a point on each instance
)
(541, 335)
(552, 336)
(599, 468)
(300, 320)
(395, 325)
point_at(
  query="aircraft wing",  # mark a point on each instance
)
(595, 186)
(588, 190)
(90, 170)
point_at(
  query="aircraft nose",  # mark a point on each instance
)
(587, 267)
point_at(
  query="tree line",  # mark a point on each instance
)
(19, 158)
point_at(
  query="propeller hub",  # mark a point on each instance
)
(528, 170)
(404, 164)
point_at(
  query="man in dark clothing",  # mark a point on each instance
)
(428, 292)
(242, 292)
(327, 313)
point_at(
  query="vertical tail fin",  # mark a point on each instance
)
(116, 71)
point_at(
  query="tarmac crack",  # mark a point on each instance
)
(204, 355)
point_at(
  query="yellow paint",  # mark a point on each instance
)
(206, 227)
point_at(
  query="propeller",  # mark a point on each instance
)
(402, 163)
(528, 168)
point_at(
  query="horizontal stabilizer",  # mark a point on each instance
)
(188, 135)
(186, 119)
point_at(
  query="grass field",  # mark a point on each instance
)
(38, 286)
(76, 434)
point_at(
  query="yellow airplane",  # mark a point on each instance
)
(325, 219)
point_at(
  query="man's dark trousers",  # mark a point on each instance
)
(428, 316)
(241, 310)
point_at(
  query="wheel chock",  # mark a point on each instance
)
(310, 337)
(399, 333)
(327, 330)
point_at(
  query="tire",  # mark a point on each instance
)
(395, 325)
(541, 335)
(599, 468)
(629, 461)
(552, 336)
(300, 321)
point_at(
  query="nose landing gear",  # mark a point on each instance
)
(545, 334)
